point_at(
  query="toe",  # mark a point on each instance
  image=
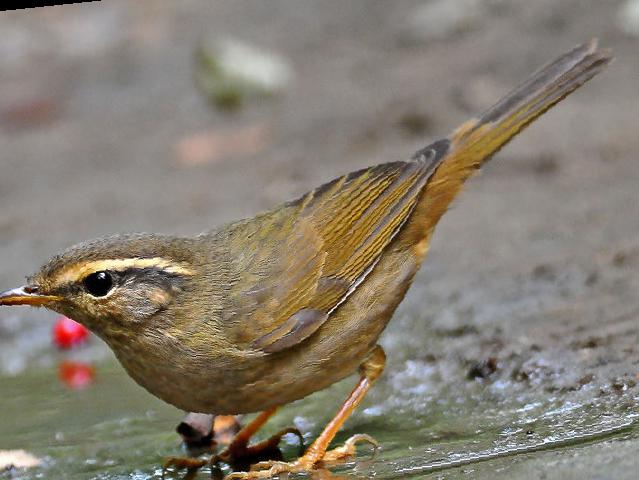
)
(250, 475)
(349, 449)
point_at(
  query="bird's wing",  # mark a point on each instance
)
(308, 256)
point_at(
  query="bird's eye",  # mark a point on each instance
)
(98, 284)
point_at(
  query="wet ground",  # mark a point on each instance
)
(514, 354)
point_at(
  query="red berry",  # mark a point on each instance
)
(76, 375)
(68, 333)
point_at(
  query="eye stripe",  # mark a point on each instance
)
(78, 271)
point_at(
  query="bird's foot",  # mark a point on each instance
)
(349, 449)
(201, 433)
(239, 455)
(306, 463)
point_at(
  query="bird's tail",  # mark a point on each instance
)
(474, 142)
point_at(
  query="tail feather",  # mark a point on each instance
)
(562, 72)
(477, 140)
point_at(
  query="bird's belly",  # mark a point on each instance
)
(252, 384)
(246, 382)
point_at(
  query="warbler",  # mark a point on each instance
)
(264, 311)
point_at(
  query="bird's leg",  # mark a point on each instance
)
(225, 428)
(240, 455)
(317, 454)
(200, 433)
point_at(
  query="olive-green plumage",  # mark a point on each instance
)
(267, 310)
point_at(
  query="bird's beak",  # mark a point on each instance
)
(26, 295)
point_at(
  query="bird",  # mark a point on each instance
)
(260, 312)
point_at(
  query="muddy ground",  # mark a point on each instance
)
(530, 288)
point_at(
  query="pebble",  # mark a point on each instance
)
(230, 72)
(440, 19)
(628, 17)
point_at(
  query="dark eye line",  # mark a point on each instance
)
(148, 271)
(120, 276)
(153, 276)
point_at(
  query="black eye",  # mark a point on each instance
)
(98, 284)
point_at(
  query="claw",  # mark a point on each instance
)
(349, 449)
(267, 469)
(241, 456)
(242, 450)
(262, 466)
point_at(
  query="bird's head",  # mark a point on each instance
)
(113, 283)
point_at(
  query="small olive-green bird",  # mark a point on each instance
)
(267, 310)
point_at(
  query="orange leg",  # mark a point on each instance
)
(317, 454)
(225, 427)
(240, 454)
(201, 431)
(242, 437)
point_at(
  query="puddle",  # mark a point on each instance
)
(114, 430)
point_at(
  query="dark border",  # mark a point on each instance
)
(23, 5)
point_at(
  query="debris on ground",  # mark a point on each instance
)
(230, 72)
(11, 459)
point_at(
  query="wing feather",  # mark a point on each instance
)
(307, 256)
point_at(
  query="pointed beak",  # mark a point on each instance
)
(26, 295)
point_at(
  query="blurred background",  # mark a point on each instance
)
(520, 332)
